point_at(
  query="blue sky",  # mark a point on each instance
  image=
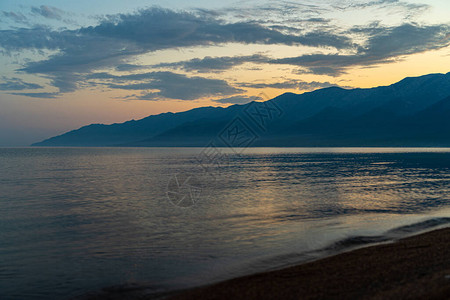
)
(65, 64)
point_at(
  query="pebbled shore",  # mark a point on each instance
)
(416, 267)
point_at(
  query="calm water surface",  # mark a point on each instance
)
(74, 220)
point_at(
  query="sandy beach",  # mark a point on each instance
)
(416, 267)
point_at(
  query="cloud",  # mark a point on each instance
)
(289, 84)
(168, 85)
(119, 37)
(241, 99)
(318, 20)
(382, 46)
(275, 12)
(178, 86)
(48, 12)
(36, 38)
(37, 95)
(407, 6)
(214, 64)
(16, 84)
(80, 55)
(330, 71)
(407, 39)
(158, 28)
(130, 67)
(16, 17)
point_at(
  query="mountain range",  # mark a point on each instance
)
(412, 112)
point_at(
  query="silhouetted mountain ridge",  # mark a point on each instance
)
(412, 112)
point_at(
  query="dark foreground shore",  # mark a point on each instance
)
(417, 267)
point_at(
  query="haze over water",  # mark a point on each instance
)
(74, 220)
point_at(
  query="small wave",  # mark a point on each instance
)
(273, 263)
(346, 244)
(421, 226)
(354, 241)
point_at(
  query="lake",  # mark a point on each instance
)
(74, 220)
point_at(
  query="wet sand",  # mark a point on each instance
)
(417, 267)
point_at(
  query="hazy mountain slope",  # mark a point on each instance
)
(404, 112)
(114, 134)
(338, 117)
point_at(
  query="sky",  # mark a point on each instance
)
(66, 64)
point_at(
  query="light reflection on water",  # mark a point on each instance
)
(74, 219)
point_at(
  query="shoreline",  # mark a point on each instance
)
(414, 267)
